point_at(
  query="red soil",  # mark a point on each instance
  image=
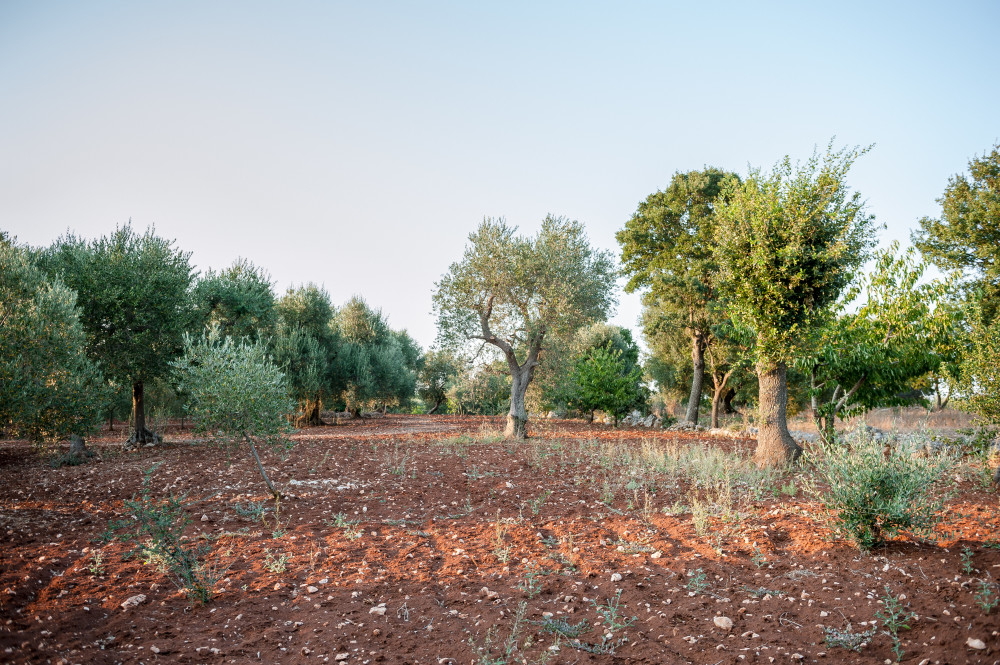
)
(548, 523)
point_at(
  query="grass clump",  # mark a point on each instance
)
(877, 491)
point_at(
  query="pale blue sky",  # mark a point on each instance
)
(357, 144)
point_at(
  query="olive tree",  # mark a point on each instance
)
(132, 290)
(788, 243)
(306, 348)
(49, 388)
(439, 370)
(378, 364)
(516, 293)
(237, 393)
(239, 299)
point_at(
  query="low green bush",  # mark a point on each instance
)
(879, 490)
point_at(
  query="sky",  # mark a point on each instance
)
(356, 145)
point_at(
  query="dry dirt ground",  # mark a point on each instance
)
(416, 539)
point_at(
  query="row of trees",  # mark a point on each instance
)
(758, 277)
(86, 321)
(762, 279)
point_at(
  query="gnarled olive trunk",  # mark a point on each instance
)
(140, 435)
(698, 358)
(517, 416)
(775, 446)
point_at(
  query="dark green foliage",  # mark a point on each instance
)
(379, 365)
(306, 348)
(437, 373)
(606, 380)
(669, 247)
(966, 237)
(132, 291)
(49, 388)
(239, 299)
(133, 295)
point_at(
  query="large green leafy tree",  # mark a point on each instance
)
(379, 364)
(239, 299)
(132, 291)
(788, 244)
(237, 393)
(668, 247)
(438, 371)
(606, 380)
(966, 237)
(516, 293)
(980, 372)
(307, 349)
(49, 388)
(871, 357)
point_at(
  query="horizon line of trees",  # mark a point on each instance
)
(756, 299)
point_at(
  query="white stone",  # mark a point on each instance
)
(133, 601)
(616, 577)
(973, 643)
(725, 623)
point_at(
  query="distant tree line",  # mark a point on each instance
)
(762, 294)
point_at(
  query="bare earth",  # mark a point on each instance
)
(428, 520)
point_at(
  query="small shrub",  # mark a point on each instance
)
(492, 652)
(610, 613)
(987, 597)
(894, 617)
(847, 639)
(697, 581)
(877, 492)
(158, 531)
(276, 564)
(253, 510)
(565, 628)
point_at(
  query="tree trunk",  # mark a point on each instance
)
(698, 357)
(140, 435)
(720, 388)
(260, 467)
(434, 409)
(77, 446)
(727, 401)
(775, 446)
(517, 416)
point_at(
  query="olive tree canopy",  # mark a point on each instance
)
(49, 388)
(132, 290)
(514, 293)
